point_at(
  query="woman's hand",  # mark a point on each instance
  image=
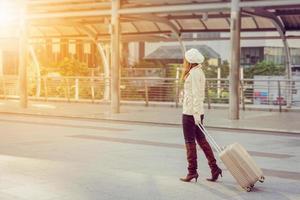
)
(197, 118)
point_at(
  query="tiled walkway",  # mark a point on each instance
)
(47, 158)
(253, 120)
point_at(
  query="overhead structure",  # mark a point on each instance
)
(162, 20)
(140, 19)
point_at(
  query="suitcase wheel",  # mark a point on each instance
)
(248, 189)
(261, 179)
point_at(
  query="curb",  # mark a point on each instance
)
(261, 131)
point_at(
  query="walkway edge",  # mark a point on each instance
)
(267, 131)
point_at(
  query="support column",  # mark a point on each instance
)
(37, 70)
(219, 82)
(48, 51)
(288, 62)
(64, 48)
(1, 62)
(115, 57)
(23, 57)
(125, 54)
(104, 54)
(107, 73)
(141, 51)
(234, 82)
(242, 73)
(93, 60)
(79, 50)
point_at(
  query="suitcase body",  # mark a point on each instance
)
(241, 165)
(238, 162)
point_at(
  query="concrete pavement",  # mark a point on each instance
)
(285, 122)
(48, 158)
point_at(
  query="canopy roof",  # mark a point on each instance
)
(155, 19)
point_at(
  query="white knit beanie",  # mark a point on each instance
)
(194, 56)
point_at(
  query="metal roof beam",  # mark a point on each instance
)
(69, 14)
(91, 34)
(160, 38)
(287, 12)
(267, 3)
(205, 6)
(72, 7)
(138, 10)
(45, 2)
(196, 16)
(176, 8)
(55, 23)
(167, 9)
(154, 18)
(173, 28)
(264, 13)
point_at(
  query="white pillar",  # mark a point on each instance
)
(234, 82)
(1, 62)
(23, 57)
(115, 57)
(37, 71)
(76, 89)
(288, 64)
(219, 82)
(104, 53)
(242, 73)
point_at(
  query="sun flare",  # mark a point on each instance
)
(9, 12)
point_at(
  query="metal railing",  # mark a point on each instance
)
(147, 90)
(150, 89)
(57, 88)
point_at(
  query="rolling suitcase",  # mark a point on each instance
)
(238, 162)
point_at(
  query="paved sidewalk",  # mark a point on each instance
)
(49, 158)
(252, 120)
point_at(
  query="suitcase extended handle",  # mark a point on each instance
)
(210, 138)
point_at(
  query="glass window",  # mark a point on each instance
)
(275, 55)
(251, 55)
(295, 54)
(10, 63)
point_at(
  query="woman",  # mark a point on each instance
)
(193, 114)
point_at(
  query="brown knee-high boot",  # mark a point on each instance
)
(191, 153)
(215, 170)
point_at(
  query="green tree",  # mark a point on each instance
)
(225, 69)
(212, 70)
(67, 67)
(72, 67)
(264, 68)
(209, 70)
